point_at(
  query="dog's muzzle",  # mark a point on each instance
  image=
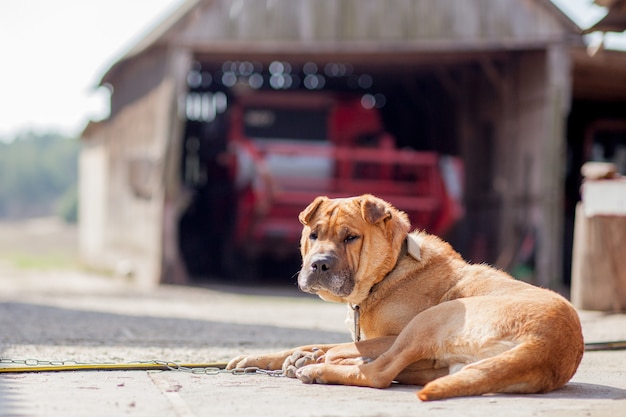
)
(323, 272)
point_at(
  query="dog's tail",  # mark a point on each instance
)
(514, 371)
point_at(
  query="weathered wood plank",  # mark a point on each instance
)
(372, 20)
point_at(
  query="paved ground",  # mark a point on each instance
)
(70, 315)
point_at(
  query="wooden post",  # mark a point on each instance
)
(599, 260)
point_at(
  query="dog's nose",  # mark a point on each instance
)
(322, 263)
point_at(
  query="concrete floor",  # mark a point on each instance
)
(77, 316)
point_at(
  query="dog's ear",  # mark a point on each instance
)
(375, 210)
(306, 214)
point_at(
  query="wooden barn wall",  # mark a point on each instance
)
(481, 121)
(519, 157)
(512, 136)
(137, 78)
(467, 21)
(538, 158)
(172, 269)
(530, 161)
(136, 140)
(554, 159)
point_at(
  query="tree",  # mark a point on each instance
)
(36, 172)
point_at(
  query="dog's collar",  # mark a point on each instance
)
(409, 247)
(413, 247)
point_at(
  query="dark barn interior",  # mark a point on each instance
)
(412, 102)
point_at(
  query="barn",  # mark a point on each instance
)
(505, 86)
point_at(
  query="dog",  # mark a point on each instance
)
(422, 315)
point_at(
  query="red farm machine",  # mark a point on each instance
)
(293, 147)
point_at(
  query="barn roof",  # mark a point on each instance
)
(355, 26)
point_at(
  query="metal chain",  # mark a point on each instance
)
(169, 365)
(39, 362)
(173, 366)
(211, 370)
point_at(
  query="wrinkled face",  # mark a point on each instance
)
(348, 245)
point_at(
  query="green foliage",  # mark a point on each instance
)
(41, 262)
(36, 172)
(67, 205)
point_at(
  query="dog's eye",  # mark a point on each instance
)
(350, 238)
(313, 236)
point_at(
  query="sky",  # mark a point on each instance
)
(53, 53)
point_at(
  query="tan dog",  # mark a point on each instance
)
(427, 317)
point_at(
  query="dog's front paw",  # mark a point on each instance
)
(299, 359)
(242, 361)
(311, 374)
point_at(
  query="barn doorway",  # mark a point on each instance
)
(413, 107)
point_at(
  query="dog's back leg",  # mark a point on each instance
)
(514, 371)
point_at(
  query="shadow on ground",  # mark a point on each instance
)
(24, 323)
(571, 391)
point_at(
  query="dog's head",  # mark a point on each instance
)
(348, 245)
